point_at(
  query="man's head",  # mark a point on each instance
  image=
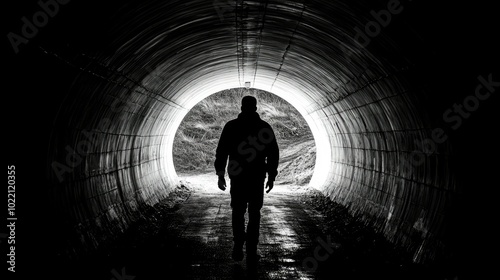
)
(249, 104)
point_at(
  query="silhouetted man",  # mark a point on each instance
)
(251, 146)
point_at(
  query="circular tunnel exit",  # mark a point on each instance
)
(371, 80)
(197, 138)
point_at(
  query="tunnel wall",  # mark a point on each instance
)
(380, 170)
(112, 160)
(363, 104)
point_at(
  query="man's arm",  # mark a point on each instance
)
(273, 156)
(221, 155)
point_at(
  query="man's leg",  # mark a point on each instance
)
(254, 206)
(239, 206)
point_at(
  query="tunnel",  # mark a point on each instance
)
(104, 87)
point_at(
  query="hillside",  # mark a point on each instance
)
(197, 137)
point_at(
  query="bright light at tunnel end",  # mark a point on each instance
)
(200, 89)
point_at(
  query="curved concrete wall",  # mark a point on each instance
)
(139, 67)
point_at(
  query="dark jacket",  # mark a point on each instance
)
(251, 146)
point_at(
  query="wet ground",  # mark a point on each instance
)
(303, 236)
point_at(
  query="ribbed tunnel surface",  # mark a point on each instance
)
(122, 76)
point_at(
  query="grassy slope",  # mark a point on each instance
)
(197, 137)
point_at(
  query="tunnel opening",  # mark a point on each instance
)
(197, 136)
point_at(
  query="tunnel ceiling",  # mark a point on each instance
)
(128, 72)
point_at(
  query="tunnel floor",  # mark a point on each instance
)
(189, 236)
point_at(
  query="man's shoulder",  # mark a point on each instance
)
(237, 123)
(232, 122)
(265, 124)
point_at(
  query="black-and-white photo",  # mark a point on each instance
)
(236, 139)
